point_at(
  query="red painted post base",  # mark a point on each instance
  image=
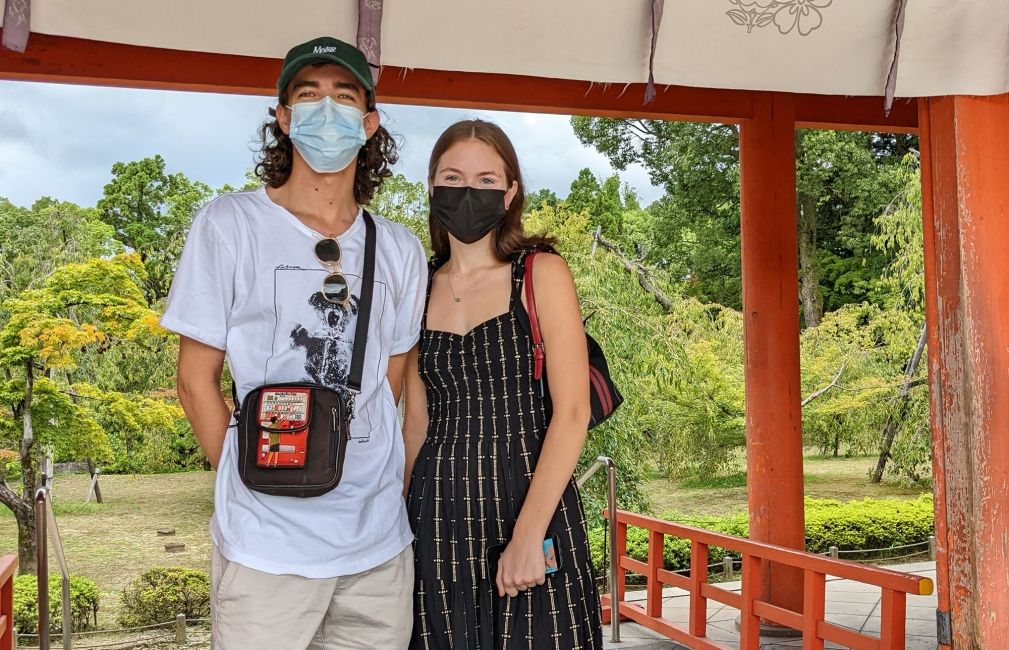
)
(607, 610)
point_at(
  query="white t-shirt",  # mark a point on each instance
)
(248, 283)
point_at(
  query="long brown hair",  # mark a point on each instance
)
(509, 237)
(276, 155)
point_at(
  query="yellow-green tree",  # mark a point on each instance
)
(80, 306)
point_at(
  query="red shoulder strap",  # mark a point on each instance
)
(534, 321)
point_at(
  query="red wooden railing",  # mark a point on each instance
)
(8, 567)
(750, 603)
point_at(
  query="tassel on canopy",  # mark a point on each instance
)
(891, 78)
(369, 34)
(657, 6)
(17, 24)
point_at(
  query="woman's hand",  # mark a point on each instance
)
(521, 566)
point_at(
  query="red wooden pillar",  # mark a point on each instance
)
(965, 178)
(771, 336)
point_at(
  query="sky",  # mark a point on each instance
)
(61, 140)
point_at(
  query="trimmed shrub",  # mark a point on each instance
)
(856, 525)
(84, 601)
(867, 523)
(158, 594)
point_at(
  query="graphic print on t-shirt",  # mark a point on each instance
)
(320, 330)
(327, 350)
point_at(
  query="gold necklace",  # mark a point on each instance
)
(452, 289)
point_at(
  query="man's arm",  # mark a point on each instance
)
(199, 385)
(416, 420)
(397, 369)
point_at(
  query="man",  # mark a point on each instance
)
(333, 571)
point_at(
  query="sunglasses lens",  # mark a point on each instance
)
(328, 251)
(335, 288)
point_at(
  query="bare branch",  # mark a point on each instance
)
(641, 130)
(823, 390)
(641, 271)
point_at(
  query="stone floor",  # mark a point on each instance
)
(849, 604)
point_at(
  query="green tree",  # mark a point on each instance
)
(150, 211)
(541, 198)
(844, 181)
(695, 228)
(404, 202)
(34, 241)
(601, 201)
(79, 306)
(252, 182)
(905, 438)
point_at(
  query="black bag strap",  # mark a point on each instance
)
(363, 317)
(363, 306)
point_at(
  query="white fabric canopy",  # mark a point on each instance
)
(841, 47)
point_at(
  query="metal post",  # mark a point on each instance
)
(42, 567)
(611, 514)
(68, 622)
(611, 498)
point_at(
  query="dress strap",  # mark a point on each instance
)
(432, 266)
(518, 277)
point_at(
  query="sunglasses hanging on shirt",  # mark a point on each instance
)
(335, 287)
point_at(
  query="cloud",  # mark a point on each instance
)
(62, 140)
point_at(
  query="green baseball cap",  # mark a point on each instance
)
(326, 49)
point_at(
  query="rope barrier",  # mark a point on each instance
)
(888, 548)
(118, 630)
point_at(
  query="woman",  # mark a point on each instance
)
(491, 461)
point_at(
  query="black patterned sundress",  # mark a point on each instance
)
(487, 424)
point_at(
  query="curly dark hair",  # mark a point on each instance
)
(273, 164)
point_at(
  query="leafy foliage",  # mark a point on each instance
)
(158, 594)
(405, 203)
(150, 211)
(844, 180)
(84, 601)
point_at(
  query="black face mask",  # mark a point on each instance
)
(468, 213)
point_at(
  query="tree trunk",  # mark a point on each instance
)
(895, 418)
(809, 277)
(28, 471)
(26, 542)
(24, 512)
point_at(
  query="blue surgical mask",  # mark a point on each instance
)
(327, 134)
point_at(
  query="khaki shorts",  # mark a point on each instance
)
(252, 610)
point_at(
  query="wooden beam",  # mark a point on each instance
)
(59, 59)
(933, 261)
(966, 206)
(769, 235)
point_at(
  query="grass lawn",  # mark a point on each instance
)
(114, 542)
(844, 479)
